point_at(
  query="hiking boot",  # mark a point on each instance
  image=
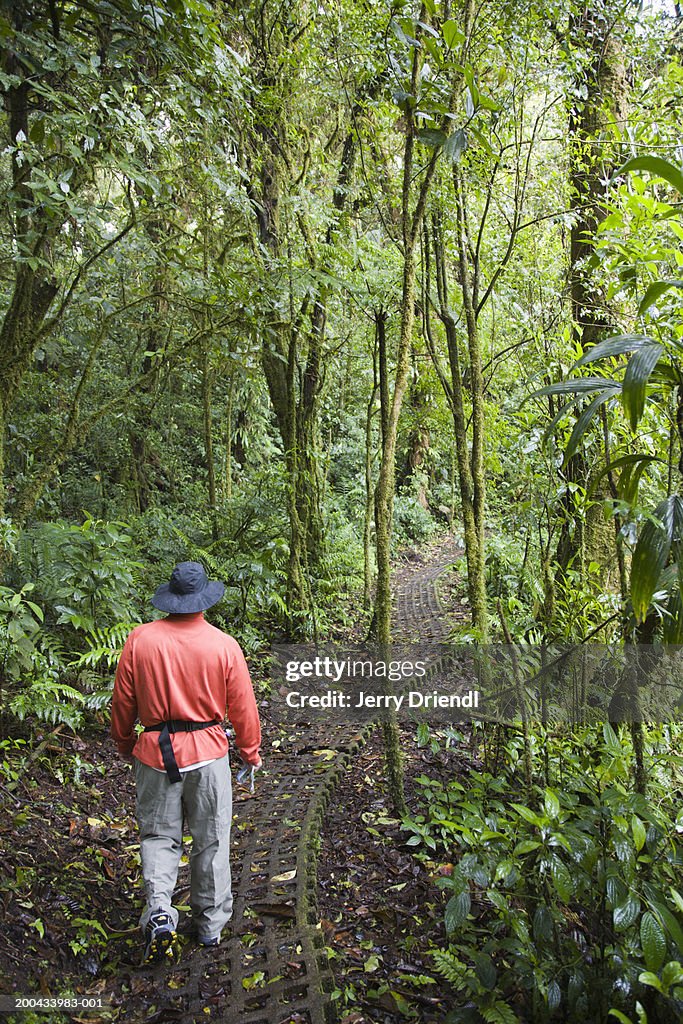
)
(160, 936)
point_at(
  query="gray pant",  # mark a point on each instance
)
(205, 796)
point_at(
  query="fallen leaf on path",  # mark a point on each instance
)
(286, 876)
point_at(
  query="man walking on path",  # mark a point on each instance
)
(180, 676)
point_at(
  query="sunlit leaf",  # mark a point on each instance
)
(654, 292)
(617, 345)
(654, 165)
(582, 385)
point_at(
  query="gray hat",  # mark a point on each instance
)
(189, 590)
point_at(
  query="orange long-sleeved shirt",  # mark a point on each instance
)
(184, 668)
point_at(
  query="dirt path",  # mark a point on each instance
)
(272, 968)
(418, 614)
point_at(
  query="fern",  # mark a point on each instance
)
(104, 646)
(197, 553)
(499, 1013)
(452, 969)
(98, 700)
(49, 701)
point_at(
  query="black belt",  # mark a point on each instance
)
(165, 729)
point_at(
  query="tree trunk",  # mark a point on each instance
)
(367, 523)
(603, 81)
(412, 216)
(28, 306)
(207, 416)
(472, 527)
(386, 483)
(469, 287)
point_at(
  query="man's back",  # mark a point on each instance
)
(183, 668)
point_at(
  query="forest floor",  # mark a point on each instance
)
(70, 888)
(380, 906)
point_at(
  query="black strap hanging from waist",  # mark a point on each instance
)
(165, 729)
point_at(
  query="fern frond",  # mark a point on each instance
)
(452, 969)
(499, 1013)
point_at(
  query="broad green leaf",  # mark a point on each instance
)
(480, 137)
(677, 898)
(452, 34)
(620, 1016)
(526, 846)
(654, 292)
(562, 880)
(583, 385)
(404, 31)
(651, 979)
(37, 610)
(640, 366)
(617, 345)
(554, 995)
(672, 973)
(432, 137)
(371, 964)
(485, 970)
(543, 925)
(551, 803)
(488, 102)
(611, 740)
(457, 909)
(528, 815)
(613, 888)
(655, 165)
(670, 923)
(638, 830)
(652, 552)
(455, 145)
(653, 941)
(626, 914)
(584, 421)
(672, 626)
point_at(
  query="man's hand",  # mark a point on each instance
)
(245, 774)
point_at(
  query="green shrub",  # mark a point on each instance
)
(557, 905)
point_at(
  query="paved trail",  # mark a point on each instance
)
(273, 968)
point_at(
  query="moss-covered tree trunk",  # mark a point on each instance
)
(293, 350)
(369, 496)
(454, 390)
(601, 80)
(413, 203)
(468, 280)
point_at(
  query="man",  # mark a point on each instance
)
(181, 677)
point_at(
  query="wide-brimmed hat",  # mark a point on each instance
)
(189, 590)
